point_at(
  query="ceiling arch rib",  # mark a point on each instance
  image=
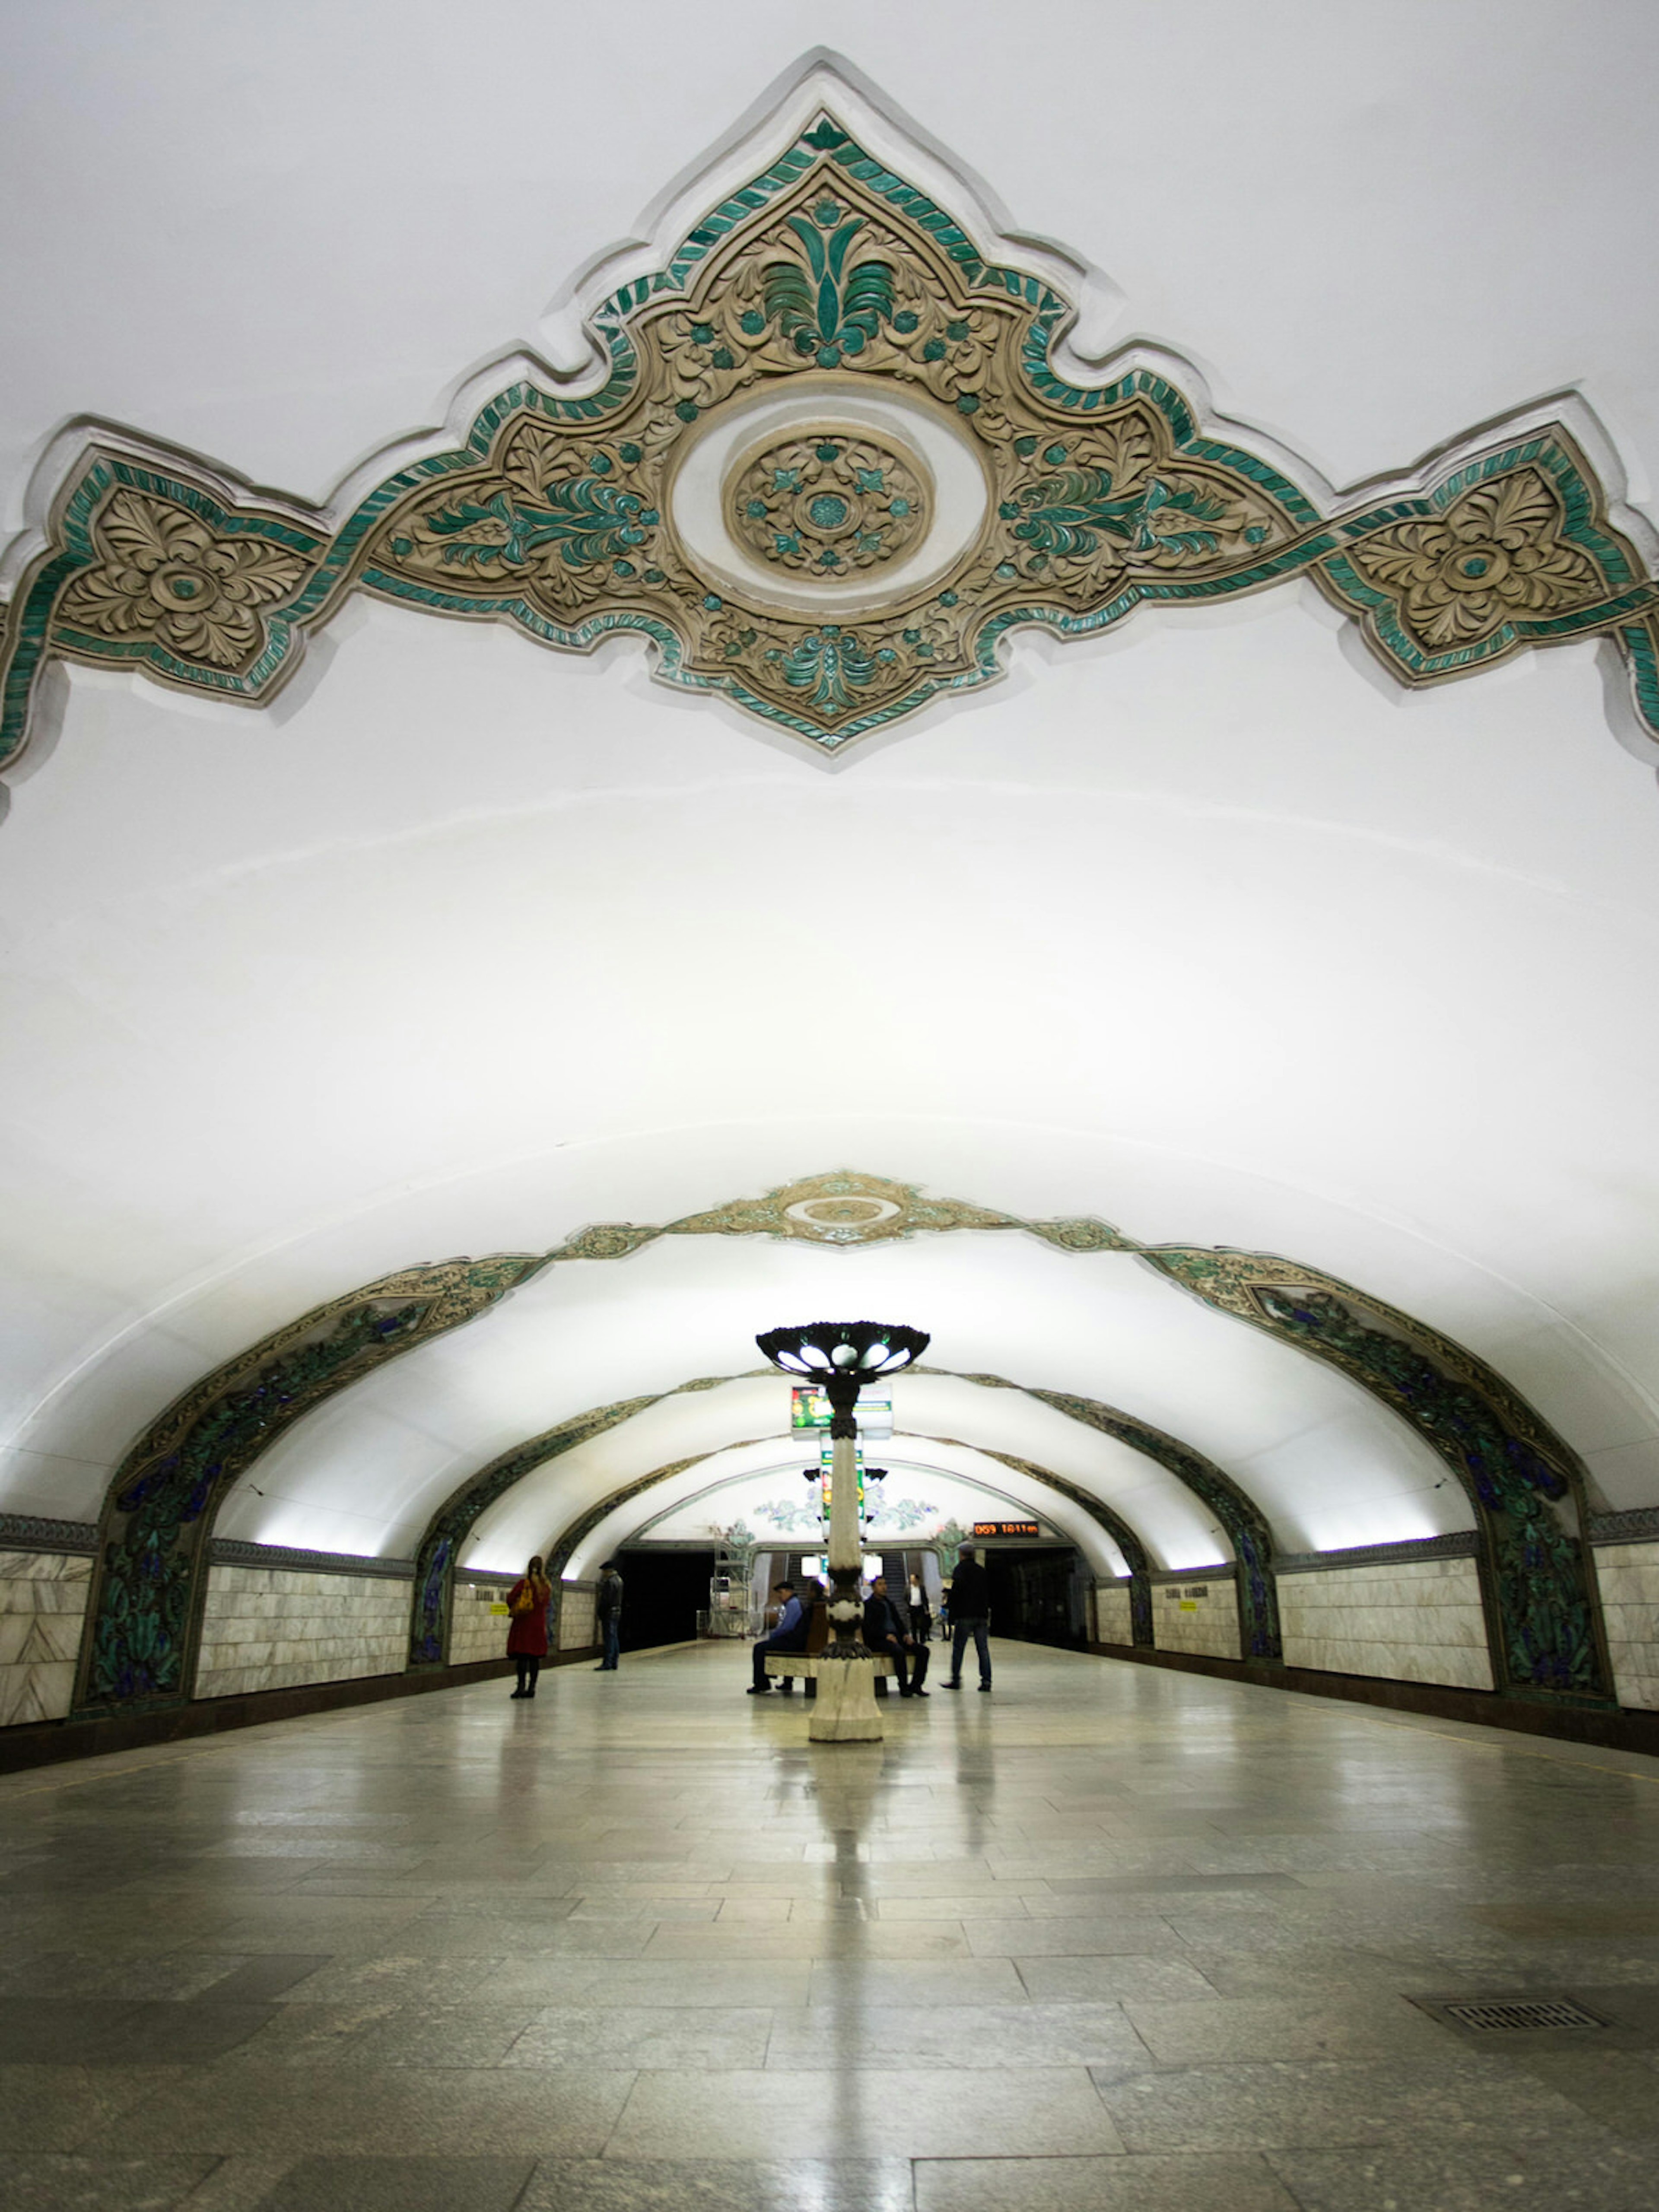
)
(1511, 1462)
(604, 1522)
(1525, 1481)
(444, 1543)
(1247, 1527)
(440, 1549)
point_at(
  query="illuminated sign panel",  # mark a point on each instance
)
(810, 1409)
(1007, 1529)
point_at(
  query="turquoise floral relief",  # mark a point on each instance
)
(827, 272)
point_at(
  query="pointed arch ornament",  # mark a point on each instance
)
(830, 446)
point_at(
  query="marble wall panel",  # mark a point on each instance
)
(578, 1627)
(475, 1630)
(1417, 1620)
(43, 1606)
(1629, 1578)
(269, 1628)
(1112, 1623)
(1206, 1622)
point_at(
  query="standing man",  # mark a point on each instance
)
(609, 1605)
(789, 1635)
(970, 1615)
(888, 1635)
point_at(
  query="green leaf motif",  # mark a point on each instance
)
(828, 663)
(826, 311)
(586, 518)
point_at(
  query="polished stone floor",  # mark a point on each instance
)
(1108, 1938)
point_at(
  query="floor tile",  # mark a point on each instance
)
(827, 2037)
(60, 2107)
(80, 2031)
(721, 2186)
(43, 2182)
(379, 2112)
(929, 1981)
(1054, 1937)
(399, 2184)
(1315, 2104)
(683, 2037)
(1100, 2184)
(891, 2113)
(1585, 2174)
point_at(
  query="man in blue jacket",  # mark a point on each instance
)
(789, 1635)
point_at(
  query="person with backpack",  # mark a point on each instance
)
(527, 1639)
(608, 1606)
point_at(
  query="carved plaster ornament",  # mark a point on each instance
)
(830, 445)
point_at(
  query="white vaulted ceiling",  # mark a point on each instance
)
(1208, 930)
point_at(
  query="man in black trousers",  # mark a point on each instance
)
(970, 1615)
(887, 1633)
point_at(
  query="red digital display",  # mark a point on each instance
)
(1006, 1528)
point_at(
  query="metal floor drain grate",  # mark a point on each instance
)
(1502, 2016)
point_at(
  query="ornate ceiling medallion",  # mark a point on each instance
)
(830, 451)
(827, 502)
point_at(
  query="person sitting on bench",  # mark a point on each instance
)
(887, 1633)
(789, 1635)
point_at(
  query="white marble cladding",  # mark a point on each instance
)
(476, 1632)
(1412, 1621)
(270, 1628)
(43, 1603)
(1201, 1616)
(1113, 1621)
(578, 1624)
(1629, 1576)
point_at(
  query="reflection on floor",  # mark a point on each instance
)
(1108, 1938)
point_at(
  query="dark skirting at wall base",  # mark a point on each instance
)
(1618, 1730)
(43, 1743)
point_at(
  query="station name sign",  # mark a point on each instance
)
(1007, 1529)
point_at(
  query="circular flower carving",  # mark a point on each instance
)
(1494, 554)
(171, 577)
(828, 504)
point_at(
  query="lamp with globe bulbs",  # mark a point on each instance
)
(840, 1357)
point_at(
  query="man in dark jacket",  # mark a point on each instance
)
(970, 1615)
(887, 1633)
(608, 1606)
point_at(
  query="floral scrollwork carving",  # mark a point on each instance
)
(555, 509)
(168, 577)
(1497, 553)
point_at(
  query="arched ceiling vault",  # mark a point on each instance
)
(1523, 1482)
(1149, 910)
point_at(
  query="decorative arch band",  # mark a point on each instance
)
(1525, 1483)
(827, 272)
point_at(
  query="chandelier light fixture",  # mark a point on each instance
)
(840, 1357)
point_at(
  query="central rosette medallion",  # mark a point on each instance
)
(829, 503)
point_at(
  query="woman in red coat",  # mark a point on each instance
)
(527, 1640)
